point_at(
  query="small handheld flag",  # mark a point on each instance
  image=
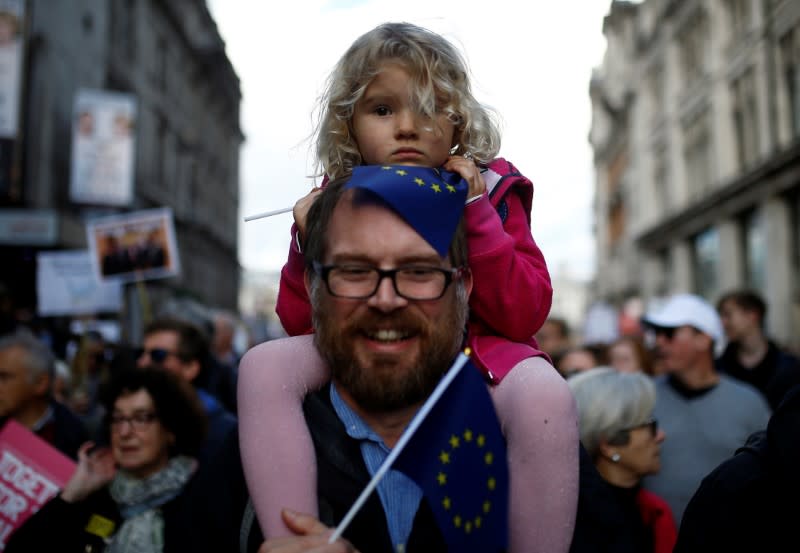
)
(454, 450)
(430, 200)
(458, 457)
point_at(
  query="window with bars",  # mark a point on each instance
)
(740, 14)
(693, 43)
(745, 118)
(790, 62)
(706, 263)
(755, 248)
(697, 155)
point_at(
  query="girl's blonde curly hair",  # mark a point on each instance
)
(440, 84)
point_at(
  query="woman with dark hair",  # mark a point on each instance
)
(136, 495)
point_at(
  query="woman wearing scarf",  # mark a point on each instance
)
(136, 496)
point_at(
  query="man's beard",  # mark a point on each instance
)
(384, 387)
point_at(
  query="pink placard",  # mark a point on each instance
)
(31, 472)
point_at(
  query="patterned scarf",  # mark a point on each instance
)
(138, 500)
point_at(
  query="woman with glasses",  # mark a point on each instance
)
(136, 495)
(619, 433)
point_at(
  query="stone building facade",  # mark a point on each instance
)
(170, 56)
(696, 139)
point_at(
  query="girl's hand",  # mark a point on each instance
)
(94, 470)
(469, 172)
(301, 208)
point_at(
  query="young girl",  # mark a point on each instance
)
(401, 95)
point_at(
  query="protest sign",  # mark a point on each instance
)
(67, 285)
(134, 246)
(31, 473)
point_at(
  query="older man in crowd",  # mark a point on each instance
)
(706, 415)
(27, 368)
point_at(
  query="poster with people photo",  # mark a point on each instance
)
(134, 246)
(103, 141)
(12, 22)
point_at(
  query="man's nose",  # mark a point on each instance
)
(386, 297)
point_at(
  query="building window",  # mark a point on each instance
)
(755, 245)
(740, 15)
(790, 55)
(667, 272)
(656, 85)
(662, 195)
(697, 155)
(706, 263)
(693, 47)
(745, 119)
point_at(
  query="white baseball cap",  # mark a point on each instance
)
(687, 310)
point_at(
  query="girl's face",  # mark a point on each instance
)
(390, 131)
(139, 442)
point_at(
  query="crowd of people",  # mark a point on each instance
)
(416, 251)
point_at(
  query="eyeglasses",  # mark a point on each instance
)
(414, 282)
(139, 421)
(652, 424)
(156, 355)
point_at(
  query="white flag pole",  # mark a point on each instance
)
(268, 214)
(401, 443)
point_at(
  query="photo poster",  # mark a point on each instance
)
(103, 148)
(66, 284)
(12, 29)
(139, 245)
(31, 473)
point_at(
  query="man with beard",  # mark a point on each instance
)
(390, 314)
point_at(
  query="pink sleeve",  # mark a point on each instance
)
(293, 307)
(540, 422)
(277, 451)
(512, 291)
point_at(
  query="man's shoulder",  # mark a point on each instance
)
(739, 390)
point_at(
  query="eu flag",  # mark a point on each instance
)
(429, 200)
(458, 457)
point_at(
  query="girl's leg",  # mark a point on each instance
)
(540, 422)
(277, 451)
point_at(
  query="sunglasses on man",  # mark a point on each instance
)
(156, 355)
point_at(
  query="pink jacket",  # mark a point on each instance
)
(511, 294)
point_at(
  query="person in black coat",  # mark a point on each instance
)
(748, 503)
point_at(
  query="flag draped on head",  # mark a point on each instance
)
(458, 457)
(430, 200)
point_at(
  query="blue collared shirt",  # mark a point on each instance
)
(399, 494)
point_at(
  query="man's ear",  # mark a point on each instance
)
(467, 278)
(190, 370)
(704, 341)
(41, 385)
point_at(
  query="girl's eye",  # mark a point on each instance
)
(382, 111)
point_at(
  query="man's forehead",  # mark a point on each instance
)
(369, 228)
(13, 356)
(162, 336)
